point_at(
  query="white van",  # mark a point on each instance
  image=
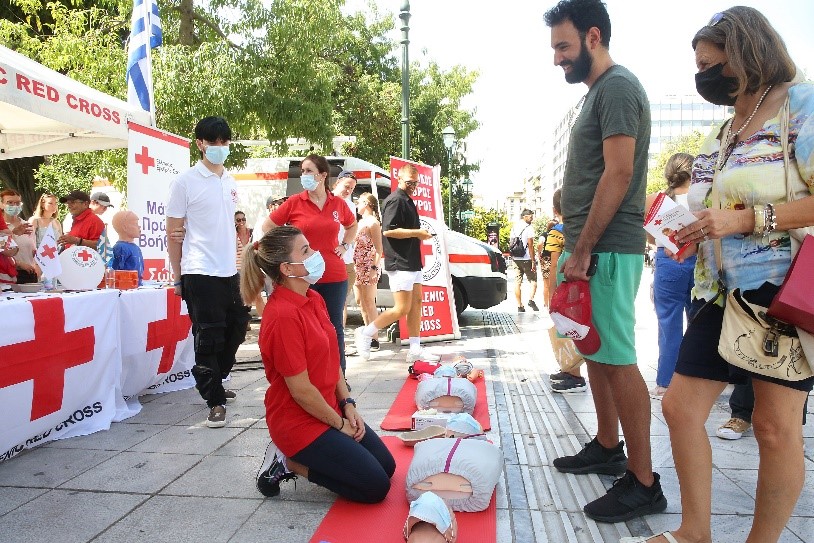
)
(478, 270)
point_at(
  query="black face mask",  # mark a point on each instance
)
(716, 88)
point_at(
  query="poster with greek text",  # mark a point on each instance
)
(154, 159)
(439, 321)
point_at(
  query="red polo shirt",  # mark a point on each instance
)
(3, 224)
(320, 227)
(296, 335)
(87, 225)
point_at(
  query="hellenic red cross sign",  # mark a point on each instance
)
(45, 359)
(168, 332)
(145, 160)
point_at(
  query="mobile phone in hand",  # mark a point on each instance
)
(592, 266)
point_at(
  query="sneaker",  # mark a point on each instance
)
(532, 305)
(217, 417)
(374, 344)
(362, 344)
(733, 429)
(658, 392)
(627, 499)
(594, 458)
(521, 309)
(571, 383)
(272, 472)
(231, 396)
(424, 355)
(558, 377)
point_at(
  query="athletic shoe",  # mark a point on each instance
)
(594, 458)
(521, 309)
(272, 472)
(374, 344)
(558, 377)
(733, 429)
(231, 396)
(627, 499)
(424, 355)
(217, 417)
(362, 344)
(658, 392)
(532, 305)
(571, 383)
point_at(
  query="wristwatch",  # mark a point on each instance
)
(346, 401)
(345, 245)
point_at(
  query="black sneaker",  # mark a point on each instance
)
(231, 396)
(594, 458)
(570, 384)
(558, 377)
(627, 499)
(521, 309)
(374, 344)
(532, 305)
(272, 473)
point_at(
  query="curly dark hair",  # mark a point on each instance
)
(584, 15)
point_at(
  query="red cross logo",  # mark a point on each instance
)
(657, 222)
(48, 252)
(426, 250)
(144, 159)
(84, 255)
(45, 358)
(166, 333)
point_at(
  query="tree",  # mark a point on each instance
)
(689, 143)
(483, 217)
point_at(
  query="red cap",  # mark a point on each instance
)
(570, 310)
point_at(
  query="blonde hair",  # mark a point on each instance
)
(407, 171)
(263, 258)
(40, 208)
(677, 172)
(372, 202)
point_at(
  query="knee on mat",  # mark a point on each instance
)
(376, 488)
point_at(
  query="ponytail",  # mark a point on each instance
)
(263, 258)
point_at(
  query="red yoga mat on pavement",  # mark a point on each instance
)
(349, 522)
(401, 412)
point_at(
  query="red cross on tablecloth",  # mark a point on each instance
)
(48, 251)
(167, 332)
(144, 159)
(84, 255)
(45, 358)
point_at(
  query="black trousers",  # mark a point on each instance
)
(219, 321)
(359, 472)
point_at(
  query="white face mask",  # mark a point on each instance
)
(13, 211)
(308, 182)
(314, 265)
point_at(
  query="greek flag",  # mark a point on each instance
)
(145, 29)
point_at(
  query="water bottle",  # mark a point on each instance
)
(47, 283)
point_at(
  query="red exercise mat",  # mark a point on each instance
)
(401, 412)
(350, 522)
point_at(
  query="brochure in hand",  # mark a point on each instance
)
(665, 219)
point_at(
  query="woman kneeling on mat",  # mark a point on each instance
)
(315, 428)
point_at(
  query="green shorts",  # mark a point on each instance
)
(613, 311)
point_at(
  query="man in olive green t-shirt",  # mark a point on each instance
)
(602, 206)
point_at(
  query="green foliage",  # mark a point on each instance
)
(689, 143)
(483, 217)
(540, 225)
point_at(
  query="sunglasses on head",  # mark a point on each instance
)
(717, 18)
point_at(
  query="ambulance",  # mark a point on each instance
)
(478, 270)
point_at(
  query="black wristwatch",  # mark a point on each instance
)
(345, 245)
(345, 402)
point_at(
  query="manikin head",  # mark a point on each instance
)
(125, 223)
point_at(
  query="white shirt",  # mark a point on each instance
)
(348, 257)
(207, 203)
(527, 231)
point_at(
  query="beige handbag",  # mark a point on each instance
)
(565, 352)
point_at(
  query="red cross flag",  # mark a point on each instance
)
(59, 368)
(46, 256)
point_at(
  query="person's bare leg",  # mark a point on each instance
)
(686, 406)
(296, 467)
(518, 282)
(607, 420)
(776, 420)
(366, 296)
(402, 302)
(414, 313)
(533, 289)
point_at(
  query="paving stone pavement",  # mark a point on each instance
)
(164, 476)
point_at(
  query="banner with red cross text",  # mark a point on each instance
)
(154, 159)
(439, 321)
(157, 345)
(60, 365)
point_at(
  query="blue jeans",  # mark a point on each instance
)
(334, 295)
(672, 284)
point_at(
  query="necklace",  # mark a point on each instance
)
(730, 137)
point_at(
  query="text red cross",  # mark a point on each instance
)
(84, 255)
(144, 159)
(48, 252)
(168, 332)
(426, 250)
(45, 359)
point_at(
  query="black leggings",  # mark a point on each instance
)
(359, 472)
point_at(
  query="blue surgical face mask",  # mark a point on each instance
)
(308, 182)
(13, 211)
(314, 265)
(216, 154)
(429, 507)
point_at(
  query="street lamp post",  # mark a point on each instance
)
(449, 142)
(405, 79)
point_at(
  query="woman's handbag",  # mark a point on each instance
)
(794, 303)
(565, 352)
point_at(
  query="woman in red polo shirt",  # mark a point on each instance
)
(315, 428)
(318, 214)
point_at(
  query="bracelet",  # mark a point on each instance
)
(343, 424)
(760, 220)
(177, 284)
(771, 220)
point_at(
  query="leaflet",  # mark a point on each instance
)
(666, 218)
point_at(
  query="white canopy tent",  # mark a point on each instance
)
(43, 112)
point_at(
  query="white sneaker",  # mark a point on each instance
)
(733, 429)
(362, 344)
(423, 355)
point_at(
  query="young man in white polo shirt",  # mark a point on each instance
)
(202, 201)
